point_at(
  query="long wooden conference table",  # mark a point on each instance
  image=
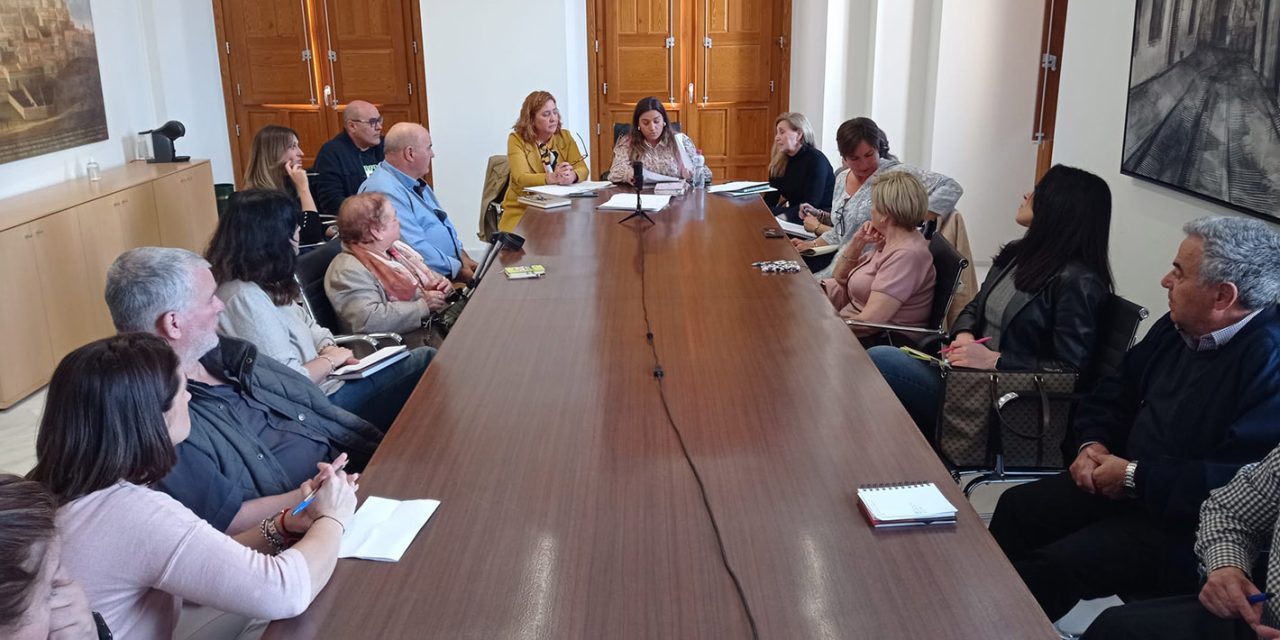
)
(568, 506)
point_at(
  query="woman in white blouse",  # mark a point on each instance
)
(864, 148)
(653, 142)
(116, 409)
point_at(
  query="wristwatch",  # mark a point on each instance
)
(1130, 482)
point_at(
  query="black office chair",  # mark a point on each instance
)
(310, 276)
(1117, 330)
(948, 265)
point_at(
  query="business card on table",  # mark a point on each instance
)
(521, 273)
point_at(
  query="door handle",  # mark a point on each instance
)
(690, 93)
(328, 95)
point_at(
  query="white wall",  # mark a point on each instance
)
(984, 111)
(1146, 219)
(474, 90)
(142, 86)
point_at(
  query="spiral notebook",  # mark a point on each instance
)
(905, 504)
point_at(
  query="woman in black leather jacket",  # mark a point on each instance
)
(1039, 305)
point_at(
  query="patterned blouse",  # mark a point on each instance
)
(661, 158)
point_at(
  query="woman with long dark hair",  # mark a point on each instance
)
(253, 254)
(115, 411)
(1038, 307)
(653, 142)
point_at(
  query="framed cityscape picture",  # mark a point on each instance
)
(50, 88)
(1204, 84)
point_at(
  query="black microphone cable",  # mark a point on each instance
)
(702, 488)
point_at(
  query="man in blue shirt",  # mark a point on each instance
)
(423, 223)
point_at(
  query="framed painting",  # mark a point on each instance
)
(1202, 117)
(50, 88)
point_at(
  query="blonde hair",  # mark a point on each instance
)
(900, 196)
(797, 122)
(524, 125)
(264, 170)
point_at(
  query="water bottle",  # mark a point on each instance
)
(93, 170)
(699, 169)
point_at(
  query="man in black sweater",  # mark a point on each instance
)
(1197, 399)
(344, 162)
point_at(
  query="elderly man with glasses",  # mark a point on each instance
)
(344, 162)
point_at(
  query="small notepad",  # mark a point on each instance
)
(896, 505)
(382, 529)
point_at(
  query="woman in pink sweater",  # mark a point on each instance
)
(116, 409)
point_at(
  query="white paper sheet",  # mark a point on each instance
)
(627, 202)
(564, 190)
(651, 177)
(735, 186)
(383, 529)
(794, 229)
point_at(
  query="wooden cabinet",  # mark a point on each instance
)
(56, 245)
(109, 227)
(28, 359)
(185, 209)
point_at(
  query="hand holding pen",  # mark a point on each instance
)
(311, 487)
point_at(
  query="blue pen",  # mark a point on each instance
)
(1261, 597)
(306, 502)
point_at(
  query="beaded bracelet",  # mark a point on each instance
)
(272, 536)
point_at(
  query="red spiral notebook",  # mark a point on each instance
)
(905, 505)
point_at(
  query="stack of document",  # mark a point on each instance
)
(741, 188)
(382, 529)
(793, 229)
(566, 190)
(899, 505)
(627, 202)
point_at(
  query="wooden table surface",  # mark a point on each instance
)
(568, 508)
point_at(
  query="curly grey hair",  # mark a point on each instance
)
(1242, 251)
(147, 282)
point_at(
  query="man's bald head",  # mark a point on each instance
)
(408, 148)
(363, 123)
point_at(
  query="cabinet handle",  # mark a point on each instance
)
(39, 232)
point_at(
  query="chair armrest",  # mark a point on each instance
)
(892, 327)
(357, 339)
(386, 335)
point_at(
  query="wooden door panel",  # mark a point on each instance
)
(371, 41)
(22, 317)
(267, 40)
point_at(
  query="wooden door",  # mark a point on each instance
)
(298, 62)
(110, 226)
(640, 51)
(28, 358)
(735, 73)
(186, 212)
(268, 50)
(372, 42)
(722, 64)
(64, 279)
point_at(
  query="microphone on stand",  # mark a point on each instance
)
(637, 178)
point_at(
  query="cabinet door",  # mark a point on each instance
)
(28, 358)
(64, 280)
(109, 227)
(186, 210)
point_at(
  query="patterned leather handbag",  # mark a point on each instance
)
(1023, 416)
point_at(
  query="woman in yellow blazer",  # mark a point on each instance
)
(539, 152)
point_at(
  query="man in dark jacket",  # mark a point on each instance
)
(345, 161)
(259, 430)
(1197, 399)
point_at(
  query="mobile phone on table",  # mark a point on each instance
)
(774, 232)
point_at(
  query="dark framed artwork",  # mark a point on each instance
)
(1204, 90)
(50, 88)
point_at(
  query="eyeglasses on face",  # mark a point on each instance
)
(373, 122)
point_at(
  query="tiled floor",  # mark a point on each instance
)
(18, 426)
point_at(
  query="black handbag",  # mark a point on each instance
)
(1023, 416)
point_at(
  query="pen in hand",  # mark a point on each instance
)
(306, 502)
(978, 341)
(1258, 598)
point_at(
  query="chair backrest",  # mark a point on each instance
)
(1116, 331)
(496, 178)
(312, 266)
(949, 266)
(621, 129)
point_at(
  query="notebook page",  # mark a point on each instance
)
(908, 502)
